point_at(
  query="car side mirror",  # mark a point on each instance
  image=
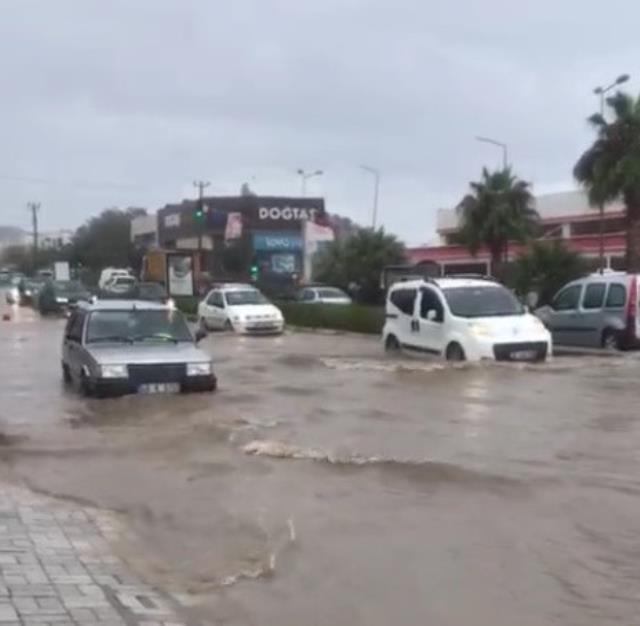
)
(201, 333)
(431, 315)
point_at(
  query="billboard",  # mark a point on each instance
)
(180, 275)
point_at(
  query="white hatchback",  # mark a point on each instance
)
(463, 319)
(241, 308)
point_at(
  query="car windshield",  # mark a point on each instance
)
(331, 292)
(250, 296)
(69, 287)
(482, 301)
(133, 326)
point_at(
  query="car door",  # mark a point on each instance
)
(74, 351)
(589, 322)
(429, 324)
(214, 309)
(403, 301)
(563, 320)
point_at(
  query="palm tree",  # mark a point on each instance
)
(499, 209)
(610, 168)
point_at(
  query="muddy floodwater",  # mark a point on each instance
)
(325, 484)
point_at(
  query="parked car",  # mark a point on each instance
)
(119, 347)
(322, 295)
(58, 296)
(600, 310)
(463, 319)
(241, 308)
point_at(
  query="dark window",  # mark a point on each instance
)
(75, 326)
(431, 302)
(404, 299)
(250, 296)
(617, 296)
(307, 295)
(567, 299)
(215, 299)
(594, 296)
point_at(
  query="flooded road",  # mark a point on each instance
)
(325, 484)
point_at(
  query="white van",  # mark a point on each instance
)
(463, 319)
(109, 273)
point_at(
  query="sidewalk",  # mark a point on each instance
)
(57, 568)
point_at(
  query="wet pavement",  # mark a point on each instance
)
(328, 484)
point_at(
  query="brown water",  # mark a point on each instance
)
(328, 485)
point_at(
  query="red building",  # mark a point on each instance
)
(564, 216)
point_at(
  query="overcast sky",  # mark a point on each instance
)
(125, 102)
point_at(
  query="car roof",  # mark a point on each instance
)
(235, 287)
(448, 282)
(125, 305)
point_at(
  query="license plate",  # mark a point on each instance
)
(523, 355)
(155, 388)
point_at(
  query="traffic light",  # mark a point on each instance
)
(254, 271)
(198, 214)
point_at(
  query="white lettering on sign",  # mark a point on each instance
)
(172, 220)
(287, 213)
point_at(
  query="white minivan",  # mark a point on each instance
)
(463, 319)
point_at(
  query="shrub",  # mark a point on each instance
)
(354, 318)
(187, 304)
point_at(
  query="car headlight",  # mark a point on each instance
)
(62, 300)
(237, 318)
(477, 329)
(537, 324)
(27, 292)
(114, 371)
(171, 303)
(199, 369)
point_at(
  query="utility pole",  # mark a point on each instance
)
(200, 185)
(34, 207)
(376, 192)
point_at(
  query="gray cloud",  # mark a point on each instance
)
(153, 93)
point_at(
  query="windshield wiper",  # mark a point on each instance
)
(158, 336)
(111, 339)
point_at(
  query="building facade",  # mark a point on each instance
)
(564, 216)
(267, 231)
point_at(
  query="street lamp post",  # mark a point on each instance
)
(376, 192)
(499, 144)
(602, 92)
(305, 176)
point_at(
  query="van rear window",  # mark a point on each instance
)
(617, 296)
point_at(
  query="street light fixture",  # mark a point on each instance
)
(500, 144)
(602, 92)
(376, 191)
(305, 176)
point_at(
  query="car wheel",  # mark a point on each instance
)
(228, 325)
(85, 386)
(392, 345)
(611, 340)
(455, 353)
(66, 374)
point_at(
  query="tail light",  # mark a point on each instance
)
(632, 309)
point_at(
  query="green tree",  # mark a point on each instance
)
(610, 168)
(358, 260)
(499, 209)
(105, 241)
(544, 268)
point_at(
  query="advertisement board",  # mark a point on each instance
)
(180, 275)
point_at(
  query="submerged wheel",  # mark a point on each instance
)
(392, 344)
(66, 374)
(228, 325)
(455, 353)
(611, 340)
